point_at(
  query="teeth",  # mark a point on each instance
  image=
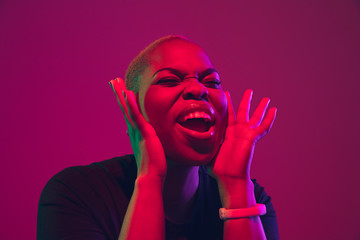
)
(197, 115)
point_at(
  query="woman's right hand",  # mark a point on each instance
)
(148, 150)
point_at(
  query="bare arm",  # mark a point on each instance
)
(241, 197)
(232, 165)
(144, 217)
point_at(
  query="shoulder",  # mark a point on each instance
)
(86, 179)
(93, 198)
(119, 167)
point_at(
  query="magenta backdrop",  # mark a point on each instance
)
(57, 109)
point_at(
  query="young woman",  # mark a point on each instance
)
(192, 156)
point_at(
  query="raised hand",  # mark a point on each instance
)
(232, 164)
(148, 151)
(234, 157)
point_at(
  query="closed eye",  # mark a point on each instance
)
(168, 81)
(212, 83)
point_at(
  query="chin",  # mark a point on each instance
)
(190, 156)
(180, 150)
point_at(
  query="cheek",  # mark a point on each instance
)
(158, 104)
(219, 102)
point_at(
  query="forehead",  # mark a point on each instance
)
(179, 54)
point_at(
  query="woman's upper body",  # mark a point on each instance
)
(180, 118)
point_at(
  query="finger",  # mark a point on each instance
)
(117, 86)
(122, 83)
(259, 113)
(139, 121)
(266, 125)
(118, 90)
(243, 111)
(231, 112)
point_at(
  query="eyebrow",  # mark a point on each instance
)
(207, 72)
(182, 74)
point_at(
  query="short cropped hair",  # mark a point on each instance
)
(139, 64)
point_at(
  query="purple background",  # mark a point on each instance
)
(57, 109)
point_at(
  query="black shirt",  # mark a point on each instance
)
(90, 202)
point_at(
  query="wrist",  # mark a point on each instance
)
(149, 182)
(237, 193)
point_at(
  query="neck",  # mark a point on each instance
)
(179, 193)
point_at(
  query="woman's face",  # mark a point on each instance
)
(181, 97)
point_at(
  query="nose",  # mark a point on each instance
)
(195, 90)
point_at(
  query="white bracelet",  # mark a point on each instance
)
(259, 209)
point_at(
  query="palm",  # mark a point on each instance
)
(148, 150)
(234, 157)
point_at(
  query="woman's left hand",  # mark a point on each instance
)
(233, 160)
(231, 166)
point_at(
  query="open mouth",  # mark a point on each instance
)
(197, 121)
